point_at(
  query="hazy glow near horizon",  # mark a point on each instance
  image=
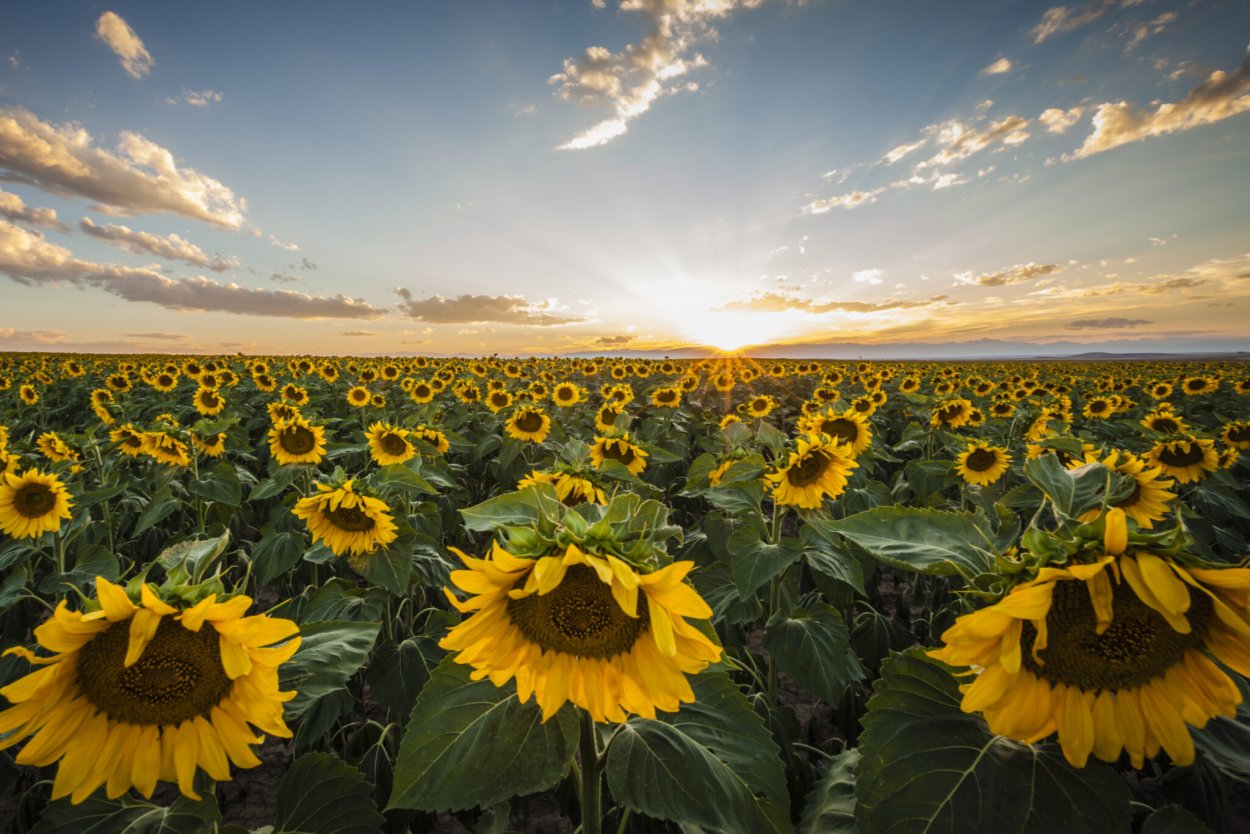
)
(509, 178)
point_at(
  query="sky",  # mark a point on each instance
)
(646, 176)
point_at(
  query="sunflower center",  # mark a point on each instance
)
(808, 470)
(34, 500)
(393, 444)
(580, 617)
(841, 428)
(1174, 456)
(1165, 425)
(1239, 434)
(529, 421)
(620, 451)
(351, 519)
(1136, 648)
(981, 460)
(297, 440)
(422, 390)
(1097, 406)
(179, 675)
(607, 416)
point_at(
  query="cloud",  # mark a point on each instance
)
(903, 150)
(959, 141)
(1018, 274)
(283, 278)
(1221, 96)
(476, 309)
(1002, 65)
(1059, 19)
(867, 276)
(290, 247)
(1154, 27)
(360, 333)
(1058, 120)
(195, 98)
(855, 199)
(29, 259)
(172, 248)
(772, 302)
(161, 337)
(1111, 323)
(14, 59)
(306, 264)
(141, 177)
(120, 38)
(629, 82)
(12, 207)
(613, 341)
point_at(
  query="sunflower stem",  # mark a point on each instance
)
(588, 748)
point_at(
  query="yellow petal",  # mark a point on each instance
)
(142, 629)
(151, 601)
(113, 600)
(1115, 537)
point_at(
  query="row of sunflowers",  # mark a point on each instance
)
(309, 594)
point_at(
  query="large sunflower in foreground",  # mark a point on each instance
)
(32, 503)
(347, 521)
(581, 628)
(1112, 654)
(819, 466)
(136, 694)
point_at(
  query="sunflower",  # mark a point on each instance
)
(358, 396)
(1098, 408)
(572, 488)
(728, 420)
(264, 382)
(137, 694)
(605, 417)
(8, 463)
(951, 414)
(1160, 390)
(668, 397)
(848, 427)
(212, 446)
(621, 450)
(281, 411)
(566, 394)
(208, 402)
(4, 437)
(1198, 385)
(294, 394)
(581, 628)
(432, 436)
(982, 464)
(31, 503)
(297, 441)
(1237, 434)
(498, 400)
(528, 424)
(1186, 460)
(1163, 421)
(1148, 501)
(388, 444)
(346, 520)
(128, 439)
(819, 466)
(164, 448)
(164, 382)
(1112, 654)
(54, 448)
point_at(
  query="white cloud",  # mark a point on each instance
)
(903, 150)
(1057, 120)
(1154, 27)
(290, 247)
(477, 309)
(195, 98)
(855, 199)
(12, 207)
(1002, 65)
(141, 177)
(1059, 19)
(120, 38)
(29, 259)
(1018, 274)
(630, 81)
(958, 140)
(172, 247)
(1221, 96)
(867, 276)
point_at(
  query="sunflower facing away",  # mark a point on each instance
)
(389, 444)
(581, 628)
(32, 503)
(345, 520)
(819, 466)
(297, 441)
(982, 464)
(136, 694)
(1112, 655)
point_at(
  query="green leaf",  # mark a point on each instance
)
(712, 764)
(400, 477)
(339, 599)
(927, 766)
(536, 505)
(919, 540)
(397, 673)
(471, 743)
(830, 806)
(276, 554)
(1073, 491)
(826, 555)
(14, 586)
(814, 650)
(221, 485)
(1173, 819)
(754, 562)
(192, 555)
(389, 567)
(330, 652)
(155, 512)
(97, 815)
(321, 794)
(281, 479)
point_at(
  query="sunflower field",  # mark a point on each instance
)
(320, 595)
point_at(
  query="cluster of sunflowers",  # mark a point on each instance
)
(1120, 627)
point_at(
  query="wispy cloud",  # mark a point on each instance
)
(360, 333)
(1058, 19)
(120, 38)
(160, 337)
(854, 199)
(772, 302)
(12, 207)
(1110, 323)
(999, 67)
(479, 309)
(1018, 274)
(1156, 26)
(195, 98)
(141, 177)
(172, 247)
(629, 82)
(1221, 96)
(29, 259)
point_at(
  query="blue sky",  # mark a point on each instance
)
(647, 174)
